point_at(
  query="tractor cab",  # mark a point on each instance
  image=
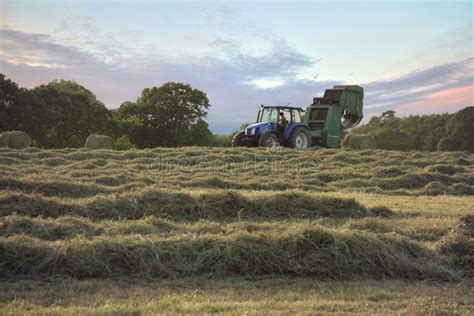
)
(274, 114)
(278, 119)
(274, 126)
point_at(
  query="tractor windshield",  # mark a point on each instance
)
(268, 115)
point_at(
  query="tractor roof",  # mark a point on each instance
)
(284, 107)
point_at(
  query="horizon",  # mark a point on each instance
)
(413, 58)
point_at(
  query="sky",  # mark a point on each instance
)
(413, 57)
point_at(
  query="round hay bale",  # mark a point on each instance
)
(15, 139)
(3, 139)
(359, 141)
(95, 141)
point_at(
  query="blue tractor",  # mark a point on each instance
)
(276, 125)
(321, 123)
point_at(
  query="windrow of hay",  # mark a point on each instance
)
(172, 212)
(373, 171)
(316, 252)
(15, 140)
(96, 141)
(458, 245)
(65, 227)
(51, 188)
(359, 141)
(381, 211)
(178, 205)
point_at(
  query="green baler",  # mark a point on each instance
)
(340, 108)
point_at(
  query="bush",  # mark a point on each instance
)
(359, 141)
(15, 139)
(124, 143)
(95, 141)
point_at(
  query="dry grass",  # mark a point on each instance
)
(323, 170)
(206, 214)
(236, 296)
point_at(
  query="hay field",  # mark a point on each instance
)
(225, 230)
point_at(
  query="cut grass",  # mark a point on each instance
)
(294, 250)
(235, 296)
(180, 205)
(384, 172)
(226, 216)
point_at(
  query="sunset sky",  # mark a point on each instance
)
(411, 57)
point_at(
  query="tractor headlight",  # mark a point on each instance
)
(252, 131)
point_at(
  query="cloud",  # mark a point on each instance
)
(414, 92)
(38, 50)
(232, 78)
(236, 81)
(279, 60)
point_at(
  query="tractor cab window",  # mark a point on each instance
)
(296, 116)
(268, 115)
(286, 114)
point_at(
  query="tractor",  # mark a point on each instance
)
(321, 123)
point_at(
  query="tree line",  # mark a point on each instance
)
(63, 114)
(437, 132)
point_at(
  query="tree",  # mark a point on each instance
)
(393, 139)
(459, 131)
(197, 134)
(169, 115)
(20, 110)
(73, 114)
(387, 115)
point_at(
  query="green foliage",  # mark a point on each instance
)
(197, 134)
(169, 115)
(393, 139)
(459, 131)
(222, 140)
(443, 132)
(124, 143)
(73, 114)
(20, 110)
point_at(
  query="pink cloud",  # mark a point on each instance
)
(448, 100)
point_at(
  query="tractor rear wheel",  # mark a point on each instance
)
(300, 138)
(237, 139)
(268, 140)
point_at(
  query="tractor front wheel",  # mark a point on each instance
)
(268, 140)
(300, 138)
(237, 139)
